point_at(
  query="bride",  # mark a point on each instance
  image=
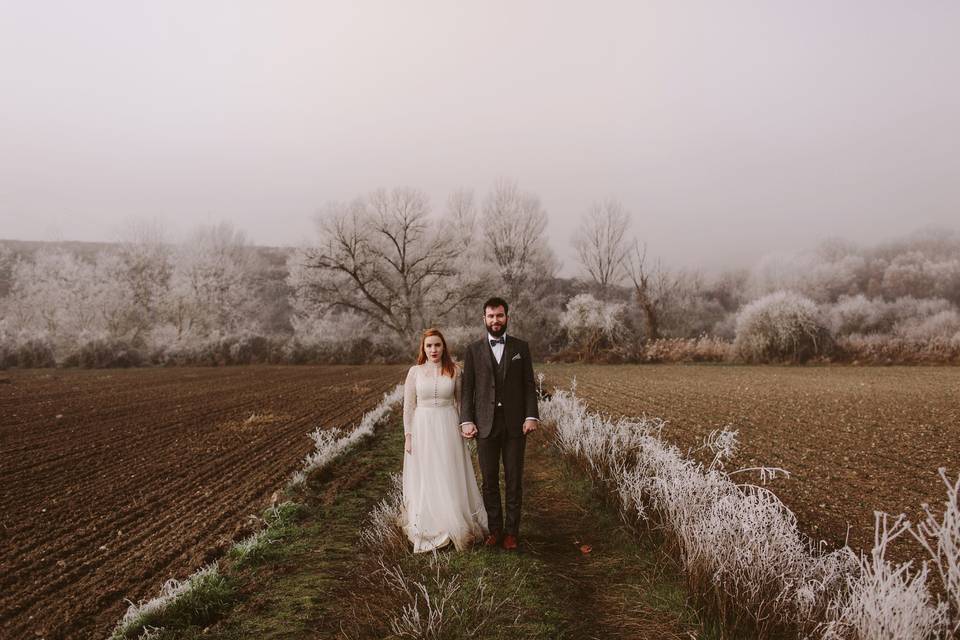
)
(441, 500)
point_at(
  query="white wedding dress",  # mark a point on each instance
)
(441, 499)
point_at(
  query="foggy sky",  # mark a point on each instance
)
(729, 129)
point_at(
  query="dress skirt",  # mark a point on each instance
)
(441, 500)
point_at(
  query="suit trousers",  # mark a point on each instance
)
(490, 451)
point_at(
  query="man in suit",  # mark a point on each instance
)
(498, 407)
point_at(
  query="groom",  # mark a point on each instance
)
(499, 407)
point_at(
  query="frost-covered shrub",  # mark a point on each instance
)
(592, 324)
(702, 349)
(820, 275)
(690, 315)
(34, 351)
(918, 275)
(249, 348)
(103, 352)
(343, 337)
(780, 327)
(725, 328)
(944, 324)
(859, 315)
(216, 349)
(907, 330)
(6, 344)
(892, 349)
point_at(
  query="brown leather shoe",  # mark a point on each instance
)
(510, 542)
(493, 539)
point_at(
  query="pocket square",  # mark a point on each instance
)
(516, 356)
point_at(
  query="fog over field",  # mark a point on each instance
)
(727, 130)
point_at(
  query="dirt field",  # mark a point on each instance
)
(113, 481)
(855, 439)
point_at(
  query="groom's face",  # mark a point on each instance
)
(496, 320)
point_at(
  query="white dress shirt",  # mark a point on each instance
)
(498, 348)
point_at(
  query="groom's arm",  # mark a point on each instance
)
(468, 409)
(529, 386)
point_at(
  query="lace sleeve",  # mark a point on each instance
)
(457, 388)
(409, 400)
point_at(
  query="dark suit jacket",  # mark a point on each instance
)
(518, 391)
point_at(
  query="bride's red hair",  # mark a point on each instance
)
(446, 362)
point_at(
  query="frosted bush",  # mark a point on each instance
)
(923, 265)
(910, 274)
(99, 351)
(944, 324)
(590, 322)
(27, 349)
(338, 336)
(859, 315)
(818, 275)
(782, 326)
(702, 349)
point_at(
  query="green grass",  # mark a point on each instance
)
(206, 595)
(269, 543)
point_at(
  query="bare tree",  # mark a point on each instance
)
(462, 218)
(513, 226)
(383, 258)
(601, 243)
(474, 273)
(653, 287)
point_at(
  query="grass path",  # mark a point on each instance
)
(580, 572)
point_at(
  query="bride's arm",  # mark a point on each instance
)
(457, 387)
(409, 406)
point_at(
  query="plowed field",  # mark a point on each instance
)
(113, 481)
(855, 439)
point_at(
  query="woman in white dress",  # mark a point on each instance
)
(441, 499)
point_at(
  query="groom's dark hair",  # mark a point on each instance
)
(495, 302)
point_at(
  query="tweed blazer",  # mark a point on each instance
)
(514, 376)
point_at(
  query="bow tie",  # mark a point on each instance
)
(495, 341)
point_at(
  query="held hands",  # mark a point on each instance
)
(469, 430)
(406, 443)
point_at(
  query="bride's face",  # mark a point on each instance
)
(433, 347)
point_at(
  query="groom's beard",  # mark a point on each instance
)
(499, 332)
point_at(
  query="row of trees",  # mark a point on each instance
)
(141, 294)
(384, 265)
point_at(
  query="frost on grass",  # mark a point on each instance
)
(740, 545)
(277, 517)
(382, 531)
(331, 443)
(886, 601)
(940, 536)
(438, 602)
(201, 594)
